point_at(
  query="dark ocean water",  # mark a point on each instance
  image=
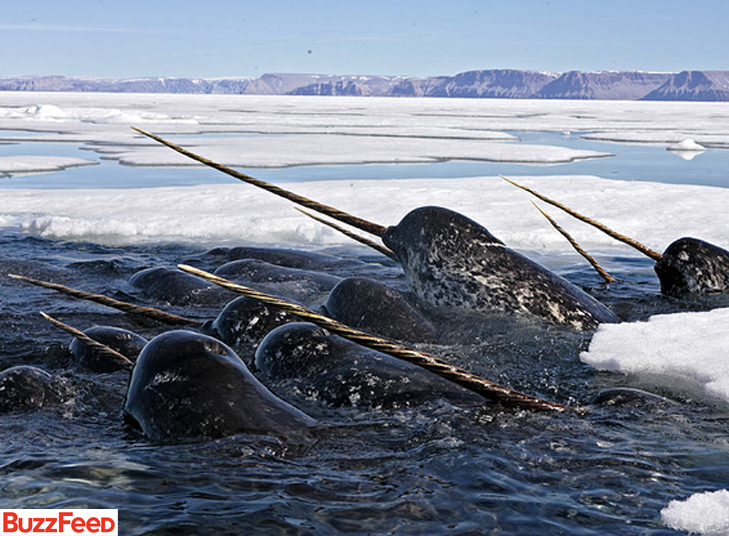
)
(431, 469)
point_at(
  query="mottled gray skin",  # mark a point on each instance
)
(627, 396)
(26, 387)
(453, 261)
(306, 260)
(243, 324)
(378, 309)
(176, 287)
(692, 266)
(127, 343)
(188, 385)
(309, 360)
(257, 271)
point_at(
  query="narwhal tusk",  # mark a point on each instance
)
(599, 269)
(459, 376)
(126, 307)
(346, 232)
(613, 234)
(96, 345)
(332, 212)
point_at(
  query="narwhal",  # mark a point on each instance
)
(184, 358)
(687, 266)
(452, 261)
(183, 385)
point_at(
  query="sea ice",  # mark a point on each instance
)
(687, 149)
(702, 513)
(318, 149)
(247, 131)
(681, 348)
(654, 213)
(686, 145)
(87, 117)
(16, 165)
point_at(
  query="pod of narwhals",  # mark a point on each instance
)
(235, 373)
(198, 382)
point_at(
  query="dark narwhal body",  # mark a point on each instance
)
(127, 343)
(358, 302)
(187, 385)
(626, 396)
(378, 309)
(451, 260)
(179, 288)
(690, 265)
(243, 324)
(292, 258)
(257, 271)
(26, 387)
(342, 373)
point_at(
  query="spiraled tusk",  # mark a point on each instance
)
(332, 212)
(346, 232)
(605, 229)
(96, 345)
(126, 307)
(593, 262)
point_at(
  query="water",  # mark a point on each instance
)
(433, 469)
(629, 162)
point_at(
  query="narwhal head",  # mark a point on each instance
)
(690, 265)
(430, 232)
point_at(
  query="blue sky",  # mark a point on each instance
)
(214, 38)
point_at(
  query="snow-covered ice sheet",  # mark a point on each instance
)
(653, 213)
(414, 130)
(668, 137)
(30, 164)
(702, 513)
(680, 348)
(247, 131)
(328, 149)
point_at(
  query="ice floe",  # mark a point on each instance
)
(687, 149)
(654, 213)
(702, 513)
(29, 164)
(680, 348)
(92, 118)
(686, 145)
(317, 149)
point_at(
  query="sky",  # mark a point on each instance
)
(233, 38)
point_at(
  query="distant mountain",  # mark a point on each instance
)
(360, 86)
(277, 84)
(501, 83)
(492, 83)
(605, 85)
(693, 86)
(124, 85)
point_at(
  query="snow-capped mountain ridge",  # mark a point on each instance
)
(487, 83)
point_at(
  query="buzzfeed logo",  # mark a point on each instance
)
(59, 522)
